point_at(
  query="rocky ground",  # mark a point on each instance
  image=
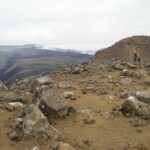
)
(92, 106)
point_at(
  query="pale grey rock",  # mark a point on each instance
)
(65, 146)
(12, 97)
(45, 80)
(35, 124)
(126, 81)
(134, 107)
(143, 96)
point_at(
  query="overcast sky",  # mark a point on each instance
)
(75, 24)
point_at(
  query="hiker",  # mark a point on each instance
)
(135, 57)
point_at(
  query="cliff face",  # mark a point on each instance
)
(125, 48)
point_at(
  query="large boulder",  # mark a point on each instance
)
(53, 103)
(133, 107)
(35, 124)
(12, 97)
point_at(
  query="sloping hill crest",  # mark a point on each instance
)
(125, 49)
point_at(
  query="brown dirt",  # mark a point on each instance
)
(112, 132)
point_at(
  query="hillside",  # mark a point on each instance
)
(3, 59)
(125, 48)
(28, 60)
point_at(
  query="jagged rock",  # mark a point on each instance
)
(65, 146)
(35, 124)
(45, 80)
(12, 97)
(69, 95)
(126, 81)
(143, 96)
(134, 107)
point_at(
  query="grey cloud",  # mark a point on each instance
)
(79, 24)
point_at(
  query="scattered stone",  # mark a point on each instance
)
(118, 67)
(132, 66)
(126, 81)
(89, 120)
(125, 94)
(101, 91)
(54, 146)
(12, 97)
(134, 74)
(69, 95)
(76, 70)
(143, 96)
(14, 106)
(45, 80)
(87, 112)
(65, 146)
(67, 70)
(35, 148)
(65, 85)
(138, 74)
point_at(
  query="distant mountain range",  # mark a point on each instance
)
(18, 61)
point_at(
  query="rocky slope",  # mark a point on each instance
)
(89, 106)
(125, 48)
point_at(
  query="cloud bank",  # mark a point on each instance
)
(76, 24)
